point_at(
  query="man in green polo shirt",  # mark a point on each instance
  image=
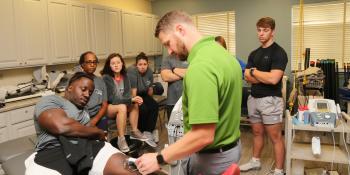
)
(211, 100)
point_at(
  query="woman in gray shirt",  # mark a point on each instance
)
(120, 100)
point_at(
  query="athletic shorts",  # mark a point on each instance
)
(61, 166)
(266, 110)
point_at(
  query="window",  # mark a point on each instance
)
(215, 24)
(323, 33)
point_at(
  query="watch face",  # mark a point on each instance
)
(160, 159)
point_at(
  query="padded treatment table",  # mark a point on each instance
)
(15, 147)
(15, 165)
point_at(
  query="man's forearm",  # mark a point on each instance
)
(272, 77)
(75, 129)
(191, 142)
(168, 76)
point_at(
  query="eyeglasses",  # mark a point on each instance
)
(91, 62)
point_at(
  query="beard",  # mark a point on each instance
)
(182, 52)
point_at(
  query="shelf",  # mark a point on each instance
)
(303, 151)
(340, 128)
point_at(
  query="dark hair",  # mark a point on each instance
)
(82, 56)
(141, 56)
(169, 19)
(77, 76)
(107, 67)
(266, 22)
(221, 41)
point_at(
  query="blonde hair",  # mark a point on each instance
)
(168, 20)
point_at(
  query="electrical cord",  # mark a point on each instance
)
(345, 145)
(270, 169)
(333, 149)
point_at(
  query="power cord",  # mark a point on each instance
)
(333, 149)
(345, 144)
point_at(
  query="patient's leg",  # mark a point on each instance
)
(117, 164)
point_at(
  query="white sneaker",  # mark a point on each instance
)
(122, 145)
(155, 134)
(251, 165)
(150, 140)
(278, 173)
(147, 134)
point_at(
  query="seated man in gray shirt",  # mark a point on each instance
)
(56, 117)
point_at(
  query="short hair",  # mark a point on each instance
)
(141, 56)
(107, 68)
(221, 41)
(167, 21)
(266, 22)
(82, 57)
(77, 76)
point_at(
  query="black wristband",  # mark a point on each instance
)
(160, 159)
(251, 70)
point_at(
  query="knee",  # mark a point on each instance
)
(123, 109)
(258, 133)
(276, 138)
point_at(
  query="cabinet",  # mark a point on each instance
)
(16, 123)
(303, 151)
(24, 28)
(9, 55)
(60, 31)
(138, 34)
(99, 30)
(157, 46)
(106, 30)
(114, 28)
(3, 128)
(32, 31)
(80, 29)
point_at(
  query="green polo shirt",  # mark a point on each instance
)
(213, 91)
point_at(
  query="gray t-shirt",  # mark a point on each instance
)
(175, 87)
(142, 83)
(45, 139)
(98, 96)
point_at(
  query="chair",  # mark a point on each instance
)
(232, 170)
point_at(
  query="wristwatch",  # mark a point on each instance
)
(160, 159)
(251, 71)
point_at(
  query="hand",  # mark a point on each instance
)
(137, 99)
(102, 135)
(147, 163)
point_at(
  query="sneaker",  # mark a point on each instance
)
(122, 145)
(149, 135)
(150, 140)
(138, 135)
(251, 165)
(155, 134)
(151, 143)
(278, 173)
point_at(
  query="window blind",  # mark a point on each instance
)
(323, 33)
(215, 24)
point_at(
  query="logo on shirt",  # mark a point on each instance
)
(98, 91)
(266, 57)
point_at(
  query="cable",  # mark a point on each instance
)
(270, 169)
(345, 145)
(333, 149)
(180, 165)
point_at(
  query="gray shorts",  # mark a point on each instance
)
(266, 110)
